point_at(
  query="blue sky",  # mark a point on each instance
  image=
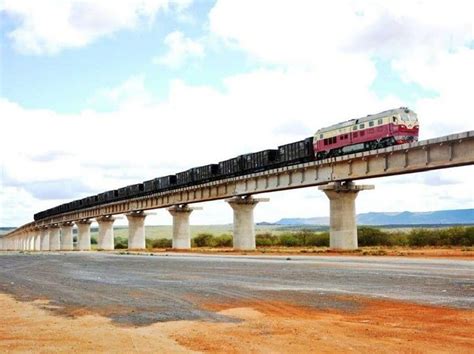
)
(98, 94)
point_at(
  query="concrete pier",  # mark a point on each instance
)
(67, 243)
(31, 240)
(181, 228)
(84, 234)
(54, 238)
(343, 224)
(244, 226)
(44, 242)
(37, 240)
(136, 230)
(105, 240)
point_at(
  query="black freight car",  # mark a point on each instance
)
(122, 193)
(297, 152)
(159, 184)
(166, 182)
(207, 173)
(135, 190)
(231, 167)
(259, 161)
(184, 178)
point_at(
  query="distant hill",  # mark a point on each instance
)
(4, 230)
(460, 216)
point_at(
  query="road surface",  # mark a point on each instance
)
(143, 289)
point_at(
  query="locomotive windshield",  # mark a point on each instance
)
(408, 116)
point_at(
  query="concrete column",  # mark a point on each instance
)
(136, 230)
(66, 243)
(29, 241)
(84, 235)
(54, 238)
(181, 229)
(37, 240)
(105, 240)
(342, 214)
(244, 226)
(44, 243)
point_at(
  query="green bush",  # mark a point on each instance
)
(452, 236)
(318, 239)
(222, 241)
(93, 240)
(120, 243)
(203, 240)
(266, 239)
(290, 240)
(162, 243)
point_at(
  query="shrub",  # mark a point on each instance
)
(222, 241)
(266, 239)
(318, 239)
(162, 243)
(290, 240)
(203, 240)
(121, 243)
(452, 236)
(93, 240)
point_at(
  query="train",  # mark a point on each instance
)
(387, 128)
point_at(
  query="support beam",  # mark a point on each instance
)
(44, 242)
(181, 229)
(343, 224)
(54, 238)
(105, 240)
(244, 226)
(84, 234)
(136, 230)
(67, 243)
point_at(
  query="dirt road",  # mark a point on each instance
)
(103, 302)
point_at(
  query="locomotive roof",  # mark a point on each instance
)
(351, 122)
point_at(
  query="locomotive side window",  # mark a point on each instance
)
(379, 121)
(355, 127)
(362, 126)
(321, 136)
(371, 123)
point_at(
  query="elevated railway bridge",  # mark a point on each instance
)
(334, 176)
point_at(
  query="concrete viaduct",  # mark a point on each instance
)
(334, 176)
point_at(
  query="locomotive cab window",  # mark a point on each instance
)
(379, 122)
(362, 126)
(371, 124)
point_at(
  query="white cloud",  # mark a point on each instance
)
(180, 49)
(49, 26)
(128, 94)
(427, 42)
(324, 72)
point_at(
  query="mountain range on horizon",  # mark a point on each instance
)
(439, 217)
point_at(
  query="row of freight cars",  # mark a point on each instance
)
(289, 154)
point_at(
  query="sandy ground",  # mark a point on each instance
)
(376, 326)
(425, 252)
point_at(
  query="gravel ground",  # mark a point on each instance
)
(142, 289)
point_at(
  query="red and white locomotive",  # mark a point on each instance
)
(395, 126)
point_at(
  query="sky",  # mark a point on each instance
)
(99, 94)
